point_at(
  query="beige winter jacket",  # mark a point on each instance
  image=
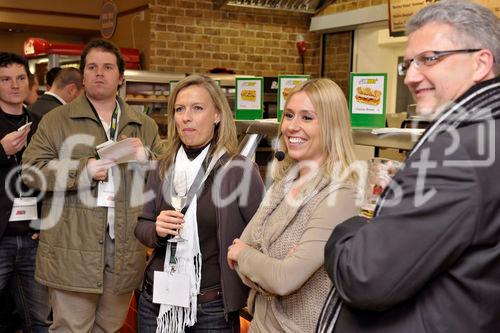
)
(284, 266)
(71, 249)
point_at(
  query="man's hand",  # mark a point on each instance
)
(233, 252)
(140, 152)
(14, 141)
(98, 169)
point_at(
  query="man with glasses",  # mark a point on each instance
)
(429, 259)
(18, 241)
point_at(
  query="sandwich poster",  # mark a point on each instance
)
(249, 96)
(368, 99)
(285, 84)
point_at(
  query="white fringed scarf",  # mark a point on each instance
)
(173, 319)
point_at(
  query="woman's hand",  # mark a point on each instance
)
(233, 252)
(169, 222)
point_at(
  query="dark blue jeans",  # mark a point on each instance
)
(17, 271)
(210, 317)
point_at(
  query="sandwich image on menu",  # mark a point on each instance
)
(286, 92)
(248, 95)
(367, 95)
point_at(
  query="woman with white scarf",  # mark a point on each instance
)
(280, 253)
(188, 285)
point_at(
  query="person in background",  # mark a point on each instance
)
(279, 254)
(33, 90)
(18, 240)
(88, 255)
(66, 87)
(428, 261)
(202, 141)
(50, 76)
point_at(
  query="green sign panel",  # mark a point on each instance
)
(368, 99)
(249, 98)
(285, 84)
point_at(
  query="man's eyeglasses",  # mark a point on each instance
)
(428, 58)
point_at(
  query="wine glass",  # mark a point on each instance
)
(178, 198)
(380, 173)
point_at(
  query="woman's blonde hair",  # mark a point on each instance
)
(337, 145)
(224, 131)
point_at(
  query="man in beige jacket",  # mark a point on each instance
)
(88, 255)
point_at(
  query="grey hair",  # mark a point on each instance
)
(476, 26)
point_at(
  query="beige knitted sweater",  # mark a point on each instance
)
(284, 266)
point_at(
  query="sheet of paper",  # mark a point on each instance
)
(394, 130)
(24, 126)
(121, 151)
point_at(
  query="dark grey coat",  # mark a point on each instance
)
(43, 104)
(433, 265)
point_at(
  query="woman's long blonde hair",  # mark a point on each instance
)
(337, 145)
(224, 132)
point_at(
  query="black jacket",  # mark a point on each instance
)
(43, 104)
(231, 221)
(429, 261)
(7, 164)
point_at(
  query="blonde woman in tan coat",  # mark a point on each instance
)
(280, 253)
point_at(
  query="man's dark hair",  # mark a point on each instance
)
(8, 58)
(51, 75)
(105, 46)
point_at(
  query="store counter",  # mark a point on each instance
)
(400, 140)
(252, 131)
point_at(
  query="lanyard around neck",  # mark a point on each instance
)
(196, 188)
(114, 121)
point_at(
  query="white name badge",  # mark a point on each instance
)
(171, 288)
(106, 192)
(24, 209)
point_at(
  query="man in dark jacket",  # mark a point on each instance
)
(66, 87)
(429, 260)
(18, 241)
(50, 77)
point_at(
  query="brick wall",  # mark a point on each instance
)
(190, 36)
(338, 58)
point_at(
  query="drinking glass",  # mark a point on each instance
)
(178, 198)
(380, 173)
